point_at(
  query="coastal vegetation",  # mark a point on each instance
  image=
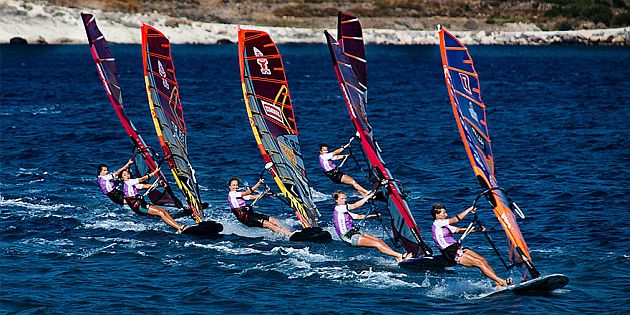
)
(392, 14)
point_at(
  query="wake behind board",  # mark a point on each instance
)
(540, 285)
(313, 234)
(424, 263)
(204, 229)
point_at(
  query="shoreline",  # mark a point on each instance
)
(43, 23)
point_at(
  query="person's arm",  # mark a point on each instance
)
(343, 147)
(249, 191)
(462, 230)
(339, 156)
(116, 173)
(145, 177)
(462, 215)
(360, 202)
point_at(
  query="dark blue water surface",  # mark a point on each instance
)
(559, 119)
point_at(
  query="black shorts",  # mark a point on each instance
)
(117, 196)
(248, 217)
(335, 175)
(138, 205)
(454, 252)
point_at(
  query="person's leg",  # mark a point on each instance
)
(367, 240)
(166, 217)
(346, 179)
(275, 226)
(472, 259)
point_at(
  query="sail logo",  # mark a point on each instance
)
(288, 152)
(465, 82)
(272, 111)
(263, 63)
(163, 75)
(506, 221)
(472, 112)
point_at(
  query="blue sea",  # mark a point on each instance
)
(559, 118)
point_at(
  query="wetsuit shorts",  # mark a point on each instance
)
(454, 252)
(117, 196)
(248, 217)
(335, 175)
(352, 237)
(138, 205)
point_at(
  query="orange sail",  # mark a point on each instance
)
(470, 114)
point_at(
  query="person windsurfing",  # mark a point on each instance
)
(109, 186)
(350, 233)
(326, 162)
(245, 213)
(452, 250)
(137, 203)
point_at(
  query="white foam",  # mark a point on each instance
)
(33, 206)
(116, 225)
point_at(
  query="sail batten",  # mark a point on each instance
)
(146, 160)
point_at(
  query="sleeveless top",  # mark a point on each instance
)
(442, 233)
(342, 219)
(130, 187)
(107, 183)
(326, 162)
(236, 200)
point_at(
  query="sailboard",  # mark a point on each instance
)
(168, 115)
(272, 119)
(469, 109)
(145, 158)
(538, 285)
(350, 64)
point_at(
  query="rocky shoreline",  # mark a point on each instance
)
(43, 23)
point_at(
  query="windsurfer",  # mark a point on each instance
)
(332, 171)
(245, 214)
(350, 234)
(109, 187)
(452, 250)
(137, 203)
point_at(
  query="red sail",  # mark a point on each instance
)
(349, 66)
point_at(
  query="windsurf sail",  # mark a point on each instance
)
(145, 159)
(271, 116)
(464, 92)
(168, 115)
(348, 57)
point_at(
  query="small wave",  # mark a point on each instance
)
(225, 247)
(20, 202)
(447, 288)
(124, 242)
(319, 196)
(117, 225)
(96, 251)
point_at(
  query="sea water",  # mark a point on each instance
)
(559, 121)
